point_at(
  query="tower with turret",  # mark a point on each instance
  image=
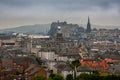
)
(59, 35)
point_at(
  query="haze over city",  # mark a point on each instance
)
(59, 39)
(15, 13)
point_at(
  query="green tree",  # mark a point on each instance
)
(83, 76)
(49, 79)
(39, 60)
(52, 76)
(58, 77)
(69, 77)
(12, 76)
(94, 29)
(95, 72)
(39, 77)
(74, 65)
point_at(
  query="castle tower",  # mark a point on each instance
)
(88, 26)
(59, 35)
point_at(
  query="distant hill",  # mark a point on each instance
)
(51, 28)
(30, 29)
(99, 26)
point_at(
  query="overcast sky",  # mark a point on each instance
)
(25, 12)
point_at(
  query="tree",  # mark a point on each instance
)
(52, 76)
(83, 76)
(49, 79)
(58, 77)
(69, 77)
(74, 65)
(95, 72)
(94, 29)
(39, 60)
(39, 77)
(12, 76)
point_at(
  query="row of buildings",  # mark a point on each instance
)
(25, 55)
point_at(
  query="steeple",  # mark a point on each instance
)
(88, 26)
(88, 20)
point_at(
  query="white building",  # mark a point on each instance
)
(47, 55)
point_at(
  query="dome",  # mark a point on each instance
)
(59, 27)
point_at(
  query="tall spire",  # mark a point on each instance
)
(88, 26)
(88, 20)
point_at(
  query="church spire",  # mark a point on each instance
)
(88, 20)
(88, 26)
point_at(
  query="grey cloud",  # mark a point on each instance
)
(23, 3)
(17, 10)
(89, 4)
(64, 4)
(61, 5)
(13, 3)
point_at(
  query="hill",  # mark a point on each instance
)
(29, 29)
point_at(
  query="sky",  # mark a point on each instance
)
(15, 13)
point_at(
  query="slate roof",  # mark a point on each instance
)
(115, 69)
(20, 60)
(36, 69)
(60, 66)
(67, 68)
(83, 69)
(31, 66)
